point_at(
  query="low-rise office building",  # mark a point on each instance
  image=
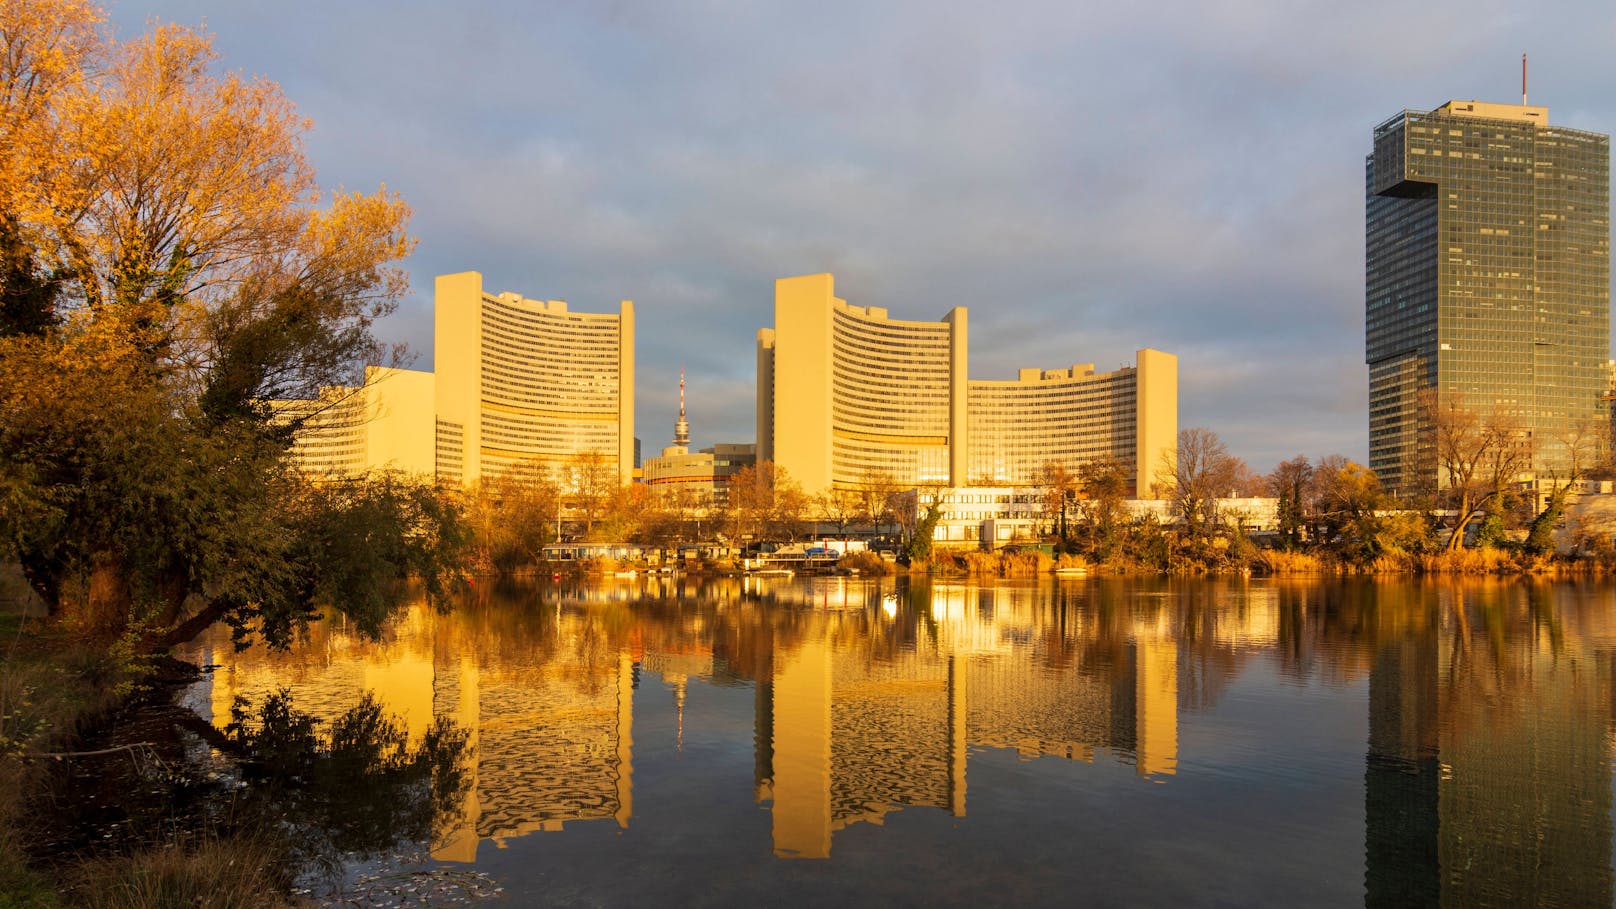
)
(990, 517)
(384, 424)
(703, 476)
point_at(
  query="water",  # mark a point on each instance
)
(1105, 742)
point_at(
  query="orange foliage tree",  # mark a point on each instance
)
(167, 268)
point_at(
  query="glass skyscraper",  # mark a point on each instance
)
(1487, 277)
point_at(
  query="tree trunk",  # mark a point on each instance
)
(196, 624)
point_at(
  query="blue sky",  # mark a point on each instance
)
(1087, 178)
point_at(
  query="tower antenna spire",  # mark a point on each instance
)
(1523, 80)
(681, 426)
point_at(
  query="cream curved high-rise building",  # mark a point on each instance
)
(847, 394)
(523, 381)
(1073, 416)
(844, 392)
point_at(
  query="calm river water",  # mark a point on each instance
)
(1102, 742)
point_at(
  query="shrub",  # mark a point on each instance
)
(865, 562)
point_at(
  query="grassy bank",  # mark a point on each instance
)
(56, 689)
(1258, 562)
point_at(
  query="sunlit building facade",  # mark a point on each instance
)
(847, 394)
(700, 477)
(523, 382)
(844, 392)
(1073, 416)
(1487, 278)
(385, 424)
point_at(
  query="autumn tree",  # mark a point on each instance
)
(766, 501)
(512, 515)
(589, 483)
(1058, 487)
(1477, 458)
(842, 506)
(1102, 490)
(1349, 498)
(1289, 484)
(878, 493)
(169, 270)
(1580, 446)
(1202, 472)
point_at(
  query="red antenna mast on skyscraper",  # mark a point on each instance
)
(1523, 80)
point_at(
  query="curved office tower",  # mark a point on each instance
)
(845, 393)
(1073, 416)
(529, 382)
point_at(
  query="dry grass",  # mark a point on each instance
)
(1004, 564)
(1280, 563)
(1069, 560)
(237, 873)
(1467, 561)
(866, 562)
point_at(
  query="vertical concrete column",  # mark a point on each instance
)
(458, 360)
(959, 442)
(625, 394)
(1156, 417)
(803, 335)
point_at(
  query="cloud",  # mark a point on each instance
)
(1087, 178)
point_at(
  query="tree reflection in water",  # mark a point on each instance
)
(356, 789)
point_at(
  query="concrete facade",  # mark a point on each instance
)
(522, 380)
(385, 424)
(847, 394)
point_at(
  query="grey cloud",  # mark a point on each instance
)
(1088, 178)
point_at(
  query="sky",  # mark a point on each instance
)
(1088, 178)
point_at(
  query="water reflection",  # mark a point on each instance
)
(1487, 776)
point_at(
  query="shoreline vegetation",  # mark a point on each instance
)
(148, 344)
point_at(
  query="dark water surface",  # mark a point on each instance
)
(1100, 742)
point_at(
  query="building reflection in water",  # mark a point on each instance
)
(1488, 775)
(1489, 708)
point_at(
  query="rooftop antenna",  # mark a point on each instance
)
(1523, 80)
(681, 427)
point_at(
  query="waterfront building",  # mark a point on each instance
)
(848, 395)
(384, 424)
(989, 517)
(523, 381)
(699, 478)
(845, 392)
(1487, 279)
(1073, 416)
(703, 474)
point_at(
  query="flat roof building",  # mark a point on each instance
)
(1487, 279)
(1073, 416)
(384, 424)
(845, 392)
(848, 395)
(529, 381)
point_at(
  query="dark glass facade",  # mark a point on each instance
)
(1487, 276)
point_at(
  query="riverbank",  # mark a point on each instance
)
(1487, 561)
(73, 755)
